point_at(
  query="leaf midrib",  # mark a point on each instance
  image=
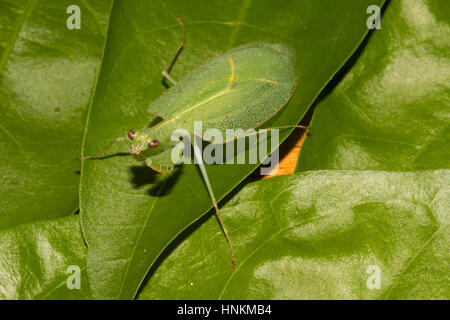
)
(88, 116)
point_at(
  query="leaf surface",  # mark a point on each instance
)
(47, 73)
(391, 109)
(319, 235)
(35, 260)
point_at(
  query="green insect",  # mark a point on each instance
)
(240, 89)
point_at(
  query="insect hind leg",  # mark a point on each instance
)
(198, 156)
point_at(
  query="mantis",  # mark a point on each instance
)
(242, 88)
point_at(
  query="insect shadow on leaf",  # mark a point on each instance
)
(161, 185)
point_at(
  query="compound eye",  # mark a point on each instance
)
(131, 134)
(153, 143)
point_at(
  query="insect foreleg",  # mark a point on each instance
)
(169, 65)
(198, 156)
(118, 139)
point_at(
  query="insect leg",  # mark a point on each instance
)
(198, 156)
(248, 134)
(169, 65)
(285, 127)
(118, 139)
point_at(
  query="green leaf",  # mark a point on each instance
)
(319, 235)
(47, 73)
(129, 213)
(391, 110)
(35, 257)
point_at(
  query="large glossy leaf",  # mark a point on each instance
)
(129, 213)
(320, 235)
(391, 110)
(47, 73)
(36, 260)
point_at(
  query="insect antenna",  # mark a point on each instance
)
(118, 139)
